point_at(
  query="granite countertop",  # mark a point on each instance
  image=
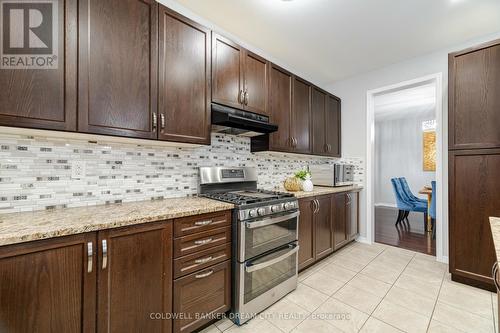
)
(24, 227)
(495, 232)
(321, 190)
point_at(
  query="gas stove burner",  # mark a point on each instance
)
(246, 197)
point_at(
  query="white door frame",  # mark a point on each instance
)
(440, 174)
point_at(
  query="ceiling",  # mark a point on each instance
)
(400, 103)
(327, 40)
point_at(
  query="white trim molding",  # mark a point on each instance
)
(441, 174)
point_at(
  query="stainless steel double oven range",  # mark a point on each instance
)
(265, 246)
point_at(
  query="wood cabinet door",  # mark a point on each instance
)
(306, 233)
(318, 106)
(118, 56)
(280, 107)
(473, 198)
(45, 98)
(353, 215)
(227, 72)
(474, 101)
(323, 227)
(301, 116)
(255, 75)
(332, 123)
(49, 285)
(340, 226)
(135, 278)
(184, 79)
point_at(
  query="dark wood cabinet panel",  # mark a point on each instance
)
(474, 102)
(318, 107)
(332, 123)
(118, 56)
(323, 227)
(306, 233)
(280, 106)
(301, 116)
(48, 286)
(184, 79)
(200, 294)
(340, 226)
(201, 241)
(45, 98)
(255, 74)
(135, 279)
(227, 67)
(193, 224)
(473, 198)
(352, 215)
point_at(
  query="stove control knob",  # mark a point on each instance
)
(275, 208)
(289, 205)
(261, 211)
(253, 213)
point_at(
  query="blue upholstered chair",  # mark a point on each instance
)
(408, 191)
(405, 204)
(432, 210)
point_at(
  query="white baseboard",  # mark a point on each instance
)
(443, 259)
(385, 204)
(363, 240)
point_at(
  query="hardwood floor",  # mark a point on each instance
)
(409, 236)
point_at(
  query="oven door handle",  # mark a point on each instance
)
(274, 220)
(253, 268)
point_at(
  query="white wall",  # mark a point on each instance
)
(399, 151)
(353, 91)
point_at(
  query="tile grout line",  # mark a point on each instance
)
(435, 302)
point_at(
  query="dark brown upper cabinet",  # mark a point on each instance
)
(184, 79)
(318, 106)
(45, 98)
(474, 101)
(326, 139)
(300, 126)
(227, 85)
(280, 108)
(239, 77)
(333, 126)
(118, 57)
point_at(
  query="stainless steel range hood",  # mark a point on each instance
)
(238, 122)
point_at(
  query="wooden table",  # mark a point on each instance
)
(428, 192)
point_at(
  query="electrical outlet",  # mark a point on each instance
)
(77, 169)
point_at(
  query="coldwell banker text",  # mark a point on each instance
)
(29, 36)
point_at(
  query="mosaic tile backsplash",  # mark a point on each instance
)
(35, 172)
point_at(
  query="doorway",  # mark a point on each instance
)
(404, 159)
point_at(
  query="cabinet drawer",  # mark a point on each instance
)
(201, 241)
(193, 224)
(201, 259)
(205, 292)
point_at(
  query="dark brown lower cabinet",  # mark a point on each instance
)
(323, 226)
(135, 278)
(306, 233)
(473, 197)
(326, 224)
(49, 286)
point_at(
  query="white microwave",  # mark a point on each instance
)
(332, 174)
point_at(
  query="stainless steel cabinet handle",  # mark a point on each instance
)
(104, 254)
(245, 98)
(202, 223)
(162, 121)
(494, 272)
(326, 148)
(319, 206)
(203, 260)
(155, 121)
(296, 142)
(240, 97)
(203, 275)
(90, 256)
(349, 198)
(204, 241)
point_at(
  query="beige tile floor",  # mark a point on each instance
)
(375, 288)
